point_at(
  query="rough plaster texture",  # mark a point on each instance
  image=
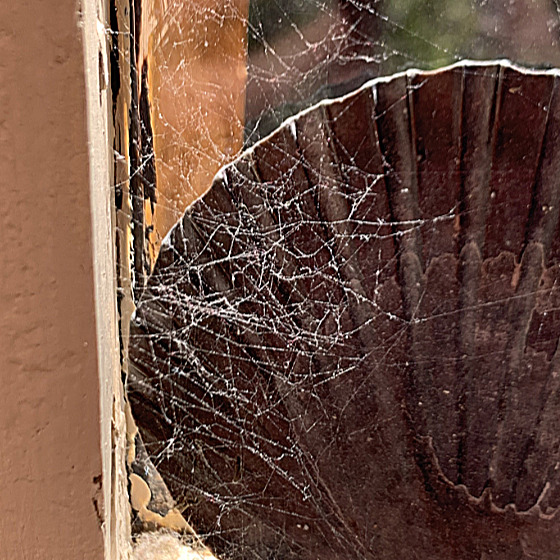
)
(55, 478)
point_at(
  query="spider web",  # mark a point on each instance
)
(265, 345)
(222, 75)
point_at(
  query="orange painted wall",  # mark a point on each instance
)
(197, 53)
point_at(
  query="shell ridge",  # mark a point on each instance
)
(513, 439)
(479, 97)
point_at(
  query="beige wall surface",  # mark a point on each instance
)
(51, 483)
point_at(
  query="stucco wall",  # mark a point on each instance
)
(55, 453)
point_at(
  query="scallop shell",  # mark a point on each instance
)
(349, 346)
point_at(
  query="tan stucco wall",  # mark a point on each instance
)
(57, 318)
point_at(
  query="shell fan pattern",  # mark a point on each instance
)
(349, 345)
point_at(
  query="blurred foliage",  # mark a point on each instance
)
(393, 35)
(427, 33)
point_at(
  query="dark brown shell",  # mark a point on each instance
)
(349, 346)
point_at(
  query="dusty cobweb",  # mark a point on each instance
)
(265, 345)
